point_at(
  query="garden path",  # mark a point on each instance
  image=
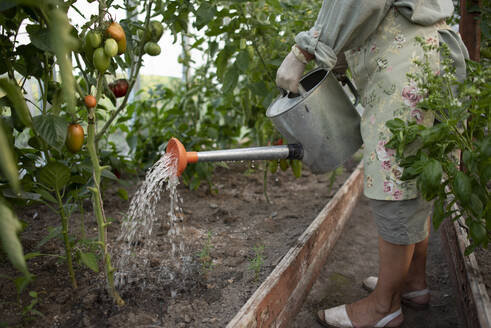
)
(355, 257)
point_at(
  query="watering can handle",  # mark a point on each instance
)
(301, 92)
(346, 80)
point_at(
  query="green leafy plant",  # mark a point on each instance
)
(29, 312)
(205, 255)
(431, 154)
(257, 262)
(223, 103)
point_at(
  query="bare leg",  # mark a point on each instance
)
(395, 261)
(416, 277)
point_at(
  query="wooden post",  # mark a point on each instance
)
(469, 27)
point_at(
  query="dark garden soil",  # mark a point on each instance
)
(231, 223)
(237, 218)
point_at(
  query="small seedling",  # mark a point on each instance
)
(333, 175)
(204, 255)
(29, 311)
(257, 262)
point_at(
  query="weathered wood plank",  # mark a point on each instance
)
(474, 300)
(281, 295)
(469, 28)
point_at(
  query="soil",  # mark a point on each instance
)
(231, 224)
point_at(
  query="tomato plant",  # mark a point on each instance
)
(57, 170)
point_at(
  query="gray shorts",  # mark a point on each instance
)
(402, 222)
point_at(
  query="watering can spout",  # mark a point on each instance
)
(176, 148)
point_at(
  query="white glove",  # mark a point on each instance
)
(289, 74)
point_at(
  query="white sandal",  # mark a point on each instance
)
(406, 298)
(337, 317)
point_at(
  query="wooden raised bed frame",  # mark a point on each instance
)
(473, 299)
(279, 298)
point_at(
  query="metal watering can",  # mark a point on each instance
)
(321, 125)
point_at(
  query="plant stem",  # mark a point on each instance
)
(265, 184)
(82, 218)
(97, 200)
(87, 82)
(68, 248)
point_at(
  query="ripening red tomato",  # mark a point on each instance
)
(75, 137)
(122, 46)
(90, 101)
(115, 31)
(119, 87)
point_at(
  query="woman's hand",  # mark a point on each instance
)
(289, 74)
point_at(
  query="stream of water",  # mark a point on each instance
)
(135, 243)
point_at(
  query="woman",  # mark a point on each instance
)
(377, 40)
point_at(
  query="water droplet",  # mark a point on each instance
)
(135, 243)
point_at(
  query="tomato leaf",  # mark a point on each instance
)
(242, 61)
(46, 195)
(55, 175)
(52, 129)
(230, 80)
(52, 233)
(7, 163)
(205, 13)
(40, 37)
(222, 61)
(9, 227)
(122, 193)
(14, 94)
(485, 147)
(90, 260)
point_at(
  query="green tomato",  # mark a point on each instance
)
(143, 35)
(156, 30)
(89, 51)
(296, 168)
(273, 167)
(93, 39)
(284, 164)
(152, 48)
(100, 60)
(111, 47)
